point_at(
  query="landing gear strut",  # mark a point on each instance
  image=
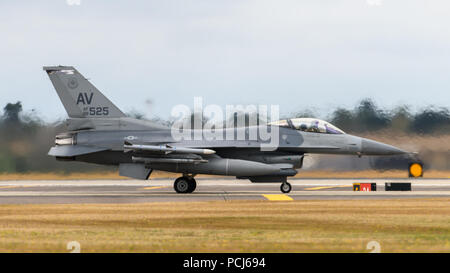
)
(185, 184)
(285, 187)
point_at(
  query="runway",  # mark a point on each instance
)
(208, 189)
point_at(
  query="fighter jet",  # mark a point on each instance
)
(98, 132)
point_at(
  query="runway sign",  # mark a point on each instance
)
(398, 186)
(364, 186)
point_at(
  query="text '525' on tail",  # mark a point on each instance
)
(80, 98)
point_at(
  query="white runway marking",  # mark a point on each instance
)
(234, 193)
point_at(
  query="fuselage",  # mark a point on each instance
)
(245, 144)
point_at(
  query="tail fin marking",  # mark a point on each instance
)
(80, 98)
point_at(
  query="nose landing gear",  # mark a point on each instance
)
(285, 187)
(185, 184)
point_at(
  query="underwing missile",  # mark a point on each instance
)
(166, 149)
(167, 160)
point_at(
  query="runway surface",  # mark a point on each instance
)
(161, 190)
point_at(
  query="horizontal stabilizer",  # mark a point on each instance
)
(73, 150)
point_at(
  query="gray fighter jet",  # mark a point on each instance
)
(98, 132)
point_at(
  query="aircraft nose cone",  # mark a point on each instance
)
(371, 147)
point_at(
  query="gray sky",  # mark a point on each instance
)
(298, 54)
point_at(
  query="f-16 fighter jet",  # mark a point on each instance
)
(99, 132)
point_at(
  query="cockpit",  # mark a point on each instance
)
(312, 125)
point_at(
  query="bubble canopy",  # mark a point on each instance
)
(312, 125)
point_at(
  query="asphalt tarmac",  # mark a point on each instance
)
(208, 189)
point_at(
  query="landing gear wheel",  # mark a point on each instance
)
(181, 185)
(285, 187)
(185, 184)
(192, 184)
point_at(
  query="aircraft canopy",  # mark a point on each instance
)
(309, 125)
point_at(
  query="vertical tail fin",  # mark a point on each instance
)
(80, 98)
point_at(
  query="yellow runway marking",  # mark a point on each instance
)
(153, 188)
(277, 197)
(328, 187)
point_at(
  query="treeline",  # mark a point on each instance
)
(25, 138)
(366, 116)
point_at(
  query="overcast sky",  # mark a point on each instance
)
(298, 54)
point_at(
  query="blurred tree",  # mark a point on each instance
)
(21, 164)
(369, 117)
(161, 121)
(6, 162)
(135, 114)
(343, 119)
(11, 112)
(431, 120)
(401, 119)
(245, 119)
(305, 114)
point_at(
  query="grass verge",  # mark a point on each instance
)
(410, 225)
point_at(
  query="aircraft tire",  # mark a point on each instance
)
(182, 185)
(192, 185)
(285, 187)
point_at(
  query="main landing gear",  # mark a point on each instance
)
(285, 187)
(185, 184)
